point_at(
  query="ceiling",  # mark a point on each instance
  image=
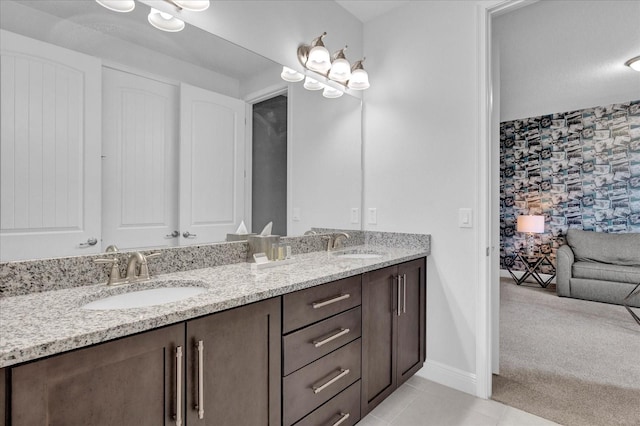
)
(366, 10)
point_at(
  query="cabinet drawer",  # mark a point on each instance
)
(343, 410)
(315, 384)
(315, 341)
(314, 304)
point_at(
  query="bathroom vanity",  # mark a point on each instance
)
(321, 340)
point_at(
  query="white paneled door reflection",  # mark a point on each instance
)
(50, 150)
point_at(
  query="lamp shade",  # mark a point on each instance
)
(319, 59)
(193, 5)
(118, 5)
(164, 21)
(311, 84)
(291, 75)
(530, 223)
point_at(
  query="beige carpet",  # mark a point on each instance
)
(571, 361)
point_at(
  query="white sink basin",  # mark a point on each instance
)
(143, 298)
(359, 255)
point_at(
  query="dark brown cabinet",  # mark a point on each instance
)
(226, 372)
(233, 362)
(393, 329)
(131, 381)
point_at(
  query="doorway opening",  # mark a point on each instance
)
(269, 165)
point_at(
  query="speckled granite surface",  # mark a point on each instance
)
(46, 323)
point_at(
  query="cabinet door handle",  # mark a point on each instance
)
(90, 242)
(321, 303)
(399, 279)
(404, 293)
(340, 333)
(318, 389)
(187, 234)
(342, 419)
(178, 416)
(200, 403)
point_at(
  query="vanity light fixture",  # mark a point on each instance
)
(634, 63)
(315, 57)
(118, 5)
(165, 21)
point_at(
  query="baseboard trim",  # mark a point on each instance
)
(449, 376)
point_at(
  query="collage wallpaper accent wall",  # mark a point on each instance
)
(580, 169)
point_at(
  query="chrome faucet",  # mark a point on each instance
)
(137, 267)
(335, 240)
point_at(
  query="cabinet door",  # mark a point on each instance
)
(411, 321)
(241, 367)
(379, 347)
(3, 397)
(131, 381)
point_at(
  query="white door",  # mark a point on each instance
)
(140, 138)
(212, 170)
(50, 150)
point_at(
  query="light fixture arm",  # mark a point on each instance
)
(339, 54)
(357, 65)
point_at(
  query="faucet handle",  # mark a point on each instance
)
(114, 274)
(144, 267)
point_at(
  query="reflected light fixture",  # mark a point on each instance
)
(165, 21)
(311, 84)
(530, 224)
(118, 5)
(331, 93)
(634, 63)
(192, 5)
(291, 75)
(315, 58)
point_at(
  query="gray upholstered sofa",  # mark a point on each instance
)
(598, 266)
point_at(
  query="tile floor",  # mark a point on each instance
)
(422, 402)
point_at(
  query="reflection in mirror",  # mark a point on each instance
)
(116, 133)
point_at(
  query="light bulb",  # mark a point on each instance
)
(340, 70)
(359, 80)
(118, 5)
(319, 59)
(331, 93)
(164, 21)
(311, 84)
(291, 75)
(193, 5)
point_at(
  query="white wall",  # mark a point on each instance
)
(561, 56)
(421, 136)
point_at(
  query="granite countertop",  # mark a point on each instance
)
(41, 324)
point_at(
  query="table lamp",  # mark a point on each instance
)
(530, 224)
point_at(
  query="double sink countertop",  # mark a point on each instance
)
(41, 324)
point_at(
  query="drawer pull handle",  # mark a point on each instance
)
(318, 389)
(200, 404)
(178, 416)
(404, 293)
(326, 302)
(399, 284)
(340, 333)
(343, 417)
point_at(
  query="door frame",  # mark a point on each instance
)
(488, 238)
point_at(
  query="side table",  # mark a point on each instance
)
(532, 264)
(634, 292)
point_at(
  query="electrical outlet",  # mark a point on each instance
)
(373, 216)
(295, 216)
(355, 215)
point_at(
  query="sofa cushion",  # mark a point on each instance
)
(606, 272)
(618, 249)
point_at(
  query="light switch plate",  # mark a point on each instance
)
(373, 216)
(465, 218)
(355, 215)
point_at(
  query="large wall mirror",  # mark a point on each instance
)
(114, 132)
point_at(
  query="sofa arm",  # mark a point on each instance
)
(564, 259)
